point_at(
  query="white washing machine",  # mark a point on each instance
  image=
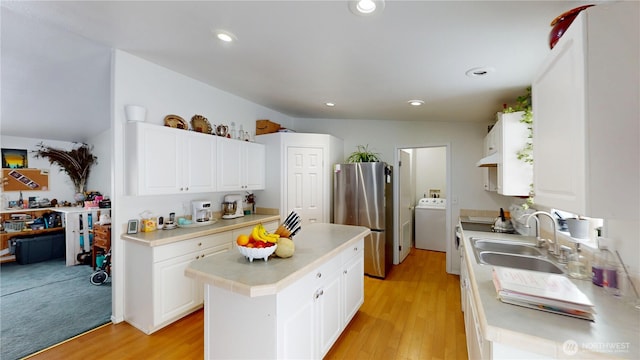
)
(430, 226)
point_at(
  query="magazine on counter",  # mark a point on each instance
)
(542, 291)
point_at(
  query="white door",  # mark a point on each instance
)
(405, 207)
(305, 184)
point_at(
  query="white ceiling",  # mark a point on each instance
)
(291, 56)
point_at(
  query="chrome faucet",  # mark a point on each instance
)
(555, 251)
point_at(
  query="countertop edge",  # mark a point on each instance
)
(182, 234)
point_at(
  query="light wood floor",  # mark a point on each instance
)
(413, 314)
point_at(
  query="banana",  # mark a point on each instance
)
(261, 234)
(255, 233)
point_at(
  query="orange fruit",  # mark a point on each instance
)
(242, 240)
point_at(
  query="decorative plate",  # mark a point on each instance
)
(200, 124)
(175, 121)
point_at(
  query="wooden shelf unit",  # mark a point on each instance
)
(6, 236)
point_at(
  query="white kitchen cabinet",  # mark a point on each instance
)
(353, 281)
(241, 165)
(310, 313)
(299, 176)
(586, 107)
(504, 172)
(156, 290)
(514, 175)
(164, 160)
(490, 173)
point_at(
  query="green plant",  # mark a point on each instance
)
(76, 162)
(363, 154)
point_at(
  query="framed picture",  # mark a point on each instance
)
(14, 159)
(132, 228)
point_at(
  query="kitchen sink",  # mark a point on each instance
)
(512, 254)
(520, 262)
(505, 247)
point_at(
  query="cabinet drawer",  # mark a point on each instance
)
(188, 246)
(352, 251)
(102, 230)
(102, 242)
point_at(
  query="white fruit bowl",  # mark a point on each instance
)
(257, 253)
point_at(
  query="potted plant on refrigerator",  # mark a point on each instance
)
(363, 154)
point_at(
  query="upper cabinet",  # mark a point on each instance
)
(241, 165)
(586, 107)
(164, 160)
(504, 172)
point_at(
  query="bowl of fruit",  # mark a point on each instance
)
(257, 252)
(257, 245)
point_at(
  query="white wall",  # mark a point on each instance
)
(60, 185)
(431, 171)
(384, 136)
(164, 92)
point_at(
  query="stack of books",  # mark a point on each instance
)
(542, 291)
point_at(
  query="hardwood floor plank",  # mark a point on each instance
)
(413, 314)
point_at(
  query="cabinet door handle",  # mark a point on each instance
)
(319, 275)
(345, 272)
(199, 244)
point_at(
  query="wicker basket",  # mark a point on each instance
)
(13, 225)
(266, 127)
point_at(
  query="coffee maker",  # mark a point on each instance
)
(200, 211)
(232, 206)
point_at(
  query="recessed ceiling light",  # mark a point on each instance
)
(330, 104)
(480, 71)
(366, 7)
(415, 102)
(225, 36)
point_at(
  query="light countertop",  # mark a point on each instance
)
(615, 333)
(315, 244)
(164, 237)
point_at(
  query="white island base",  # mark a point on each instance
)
(293, 308)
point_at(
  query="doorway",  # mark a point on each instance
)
(423, 171)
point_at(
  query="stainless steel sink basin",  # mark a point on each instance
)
(506, 247)
(519, 262)
(512, 254)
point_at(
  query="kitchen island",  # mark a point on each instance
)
(283, 308)
(496, 330)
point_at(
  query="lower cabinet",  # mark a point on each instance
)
(302, 321)
(316, 309)
(352, 281)
(157, 297)
(477, 346)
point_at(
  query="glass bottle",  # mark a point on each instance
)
(578, 265)
(611, 274)
(597, 265)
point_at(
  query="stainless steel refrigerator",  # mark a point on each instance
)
(363, 195)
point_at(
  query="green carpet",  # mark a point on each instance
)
(45, 303)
